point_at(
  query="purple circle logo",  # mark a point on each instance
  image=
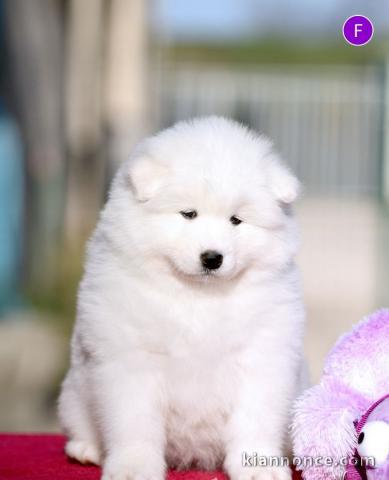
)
(358, 30)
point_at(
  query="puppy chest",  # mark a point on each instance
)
(199, 404)
(195, 437)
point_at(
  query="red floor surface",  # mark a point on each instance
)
(41, 457)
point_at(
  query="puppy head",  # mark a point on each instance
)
(210, 199)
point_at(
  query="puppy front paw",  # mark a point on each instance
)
(136, 463)
(84, 452)
(261, 473)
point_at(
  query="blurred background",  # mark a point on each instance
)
(82, 81)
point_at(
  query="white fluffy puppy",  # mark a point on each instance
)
(187, 349)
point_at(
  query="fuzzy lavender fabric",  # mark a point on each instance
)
(355, 376)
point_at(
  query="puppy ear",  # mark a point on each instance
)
(283, 184)
(146, 177)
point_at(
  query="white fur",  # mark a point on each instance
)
(169, 364)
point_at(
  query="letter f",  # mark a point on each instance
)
(357, 29)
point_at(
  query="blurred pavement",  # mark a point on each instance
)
(343, 257)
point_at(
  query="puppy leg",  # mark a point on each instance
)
(259, 423)
(75, 419)
(131, 419)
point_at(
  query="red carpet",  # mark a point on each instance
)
(41, 457)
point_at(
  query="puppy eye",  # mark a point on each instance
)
(190, 214)
(235, 220)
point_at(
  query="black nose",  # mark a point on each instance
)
(211, 260)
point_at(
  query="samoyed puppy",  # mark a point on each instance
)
(187, 348)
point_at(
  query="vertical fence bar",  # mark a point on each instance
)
(385, 133)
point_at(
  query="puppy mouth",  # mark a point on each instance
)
(206, 272)
(202, 274)
(208, 275)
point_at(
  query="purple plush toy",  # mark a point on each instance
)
(343, 422)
